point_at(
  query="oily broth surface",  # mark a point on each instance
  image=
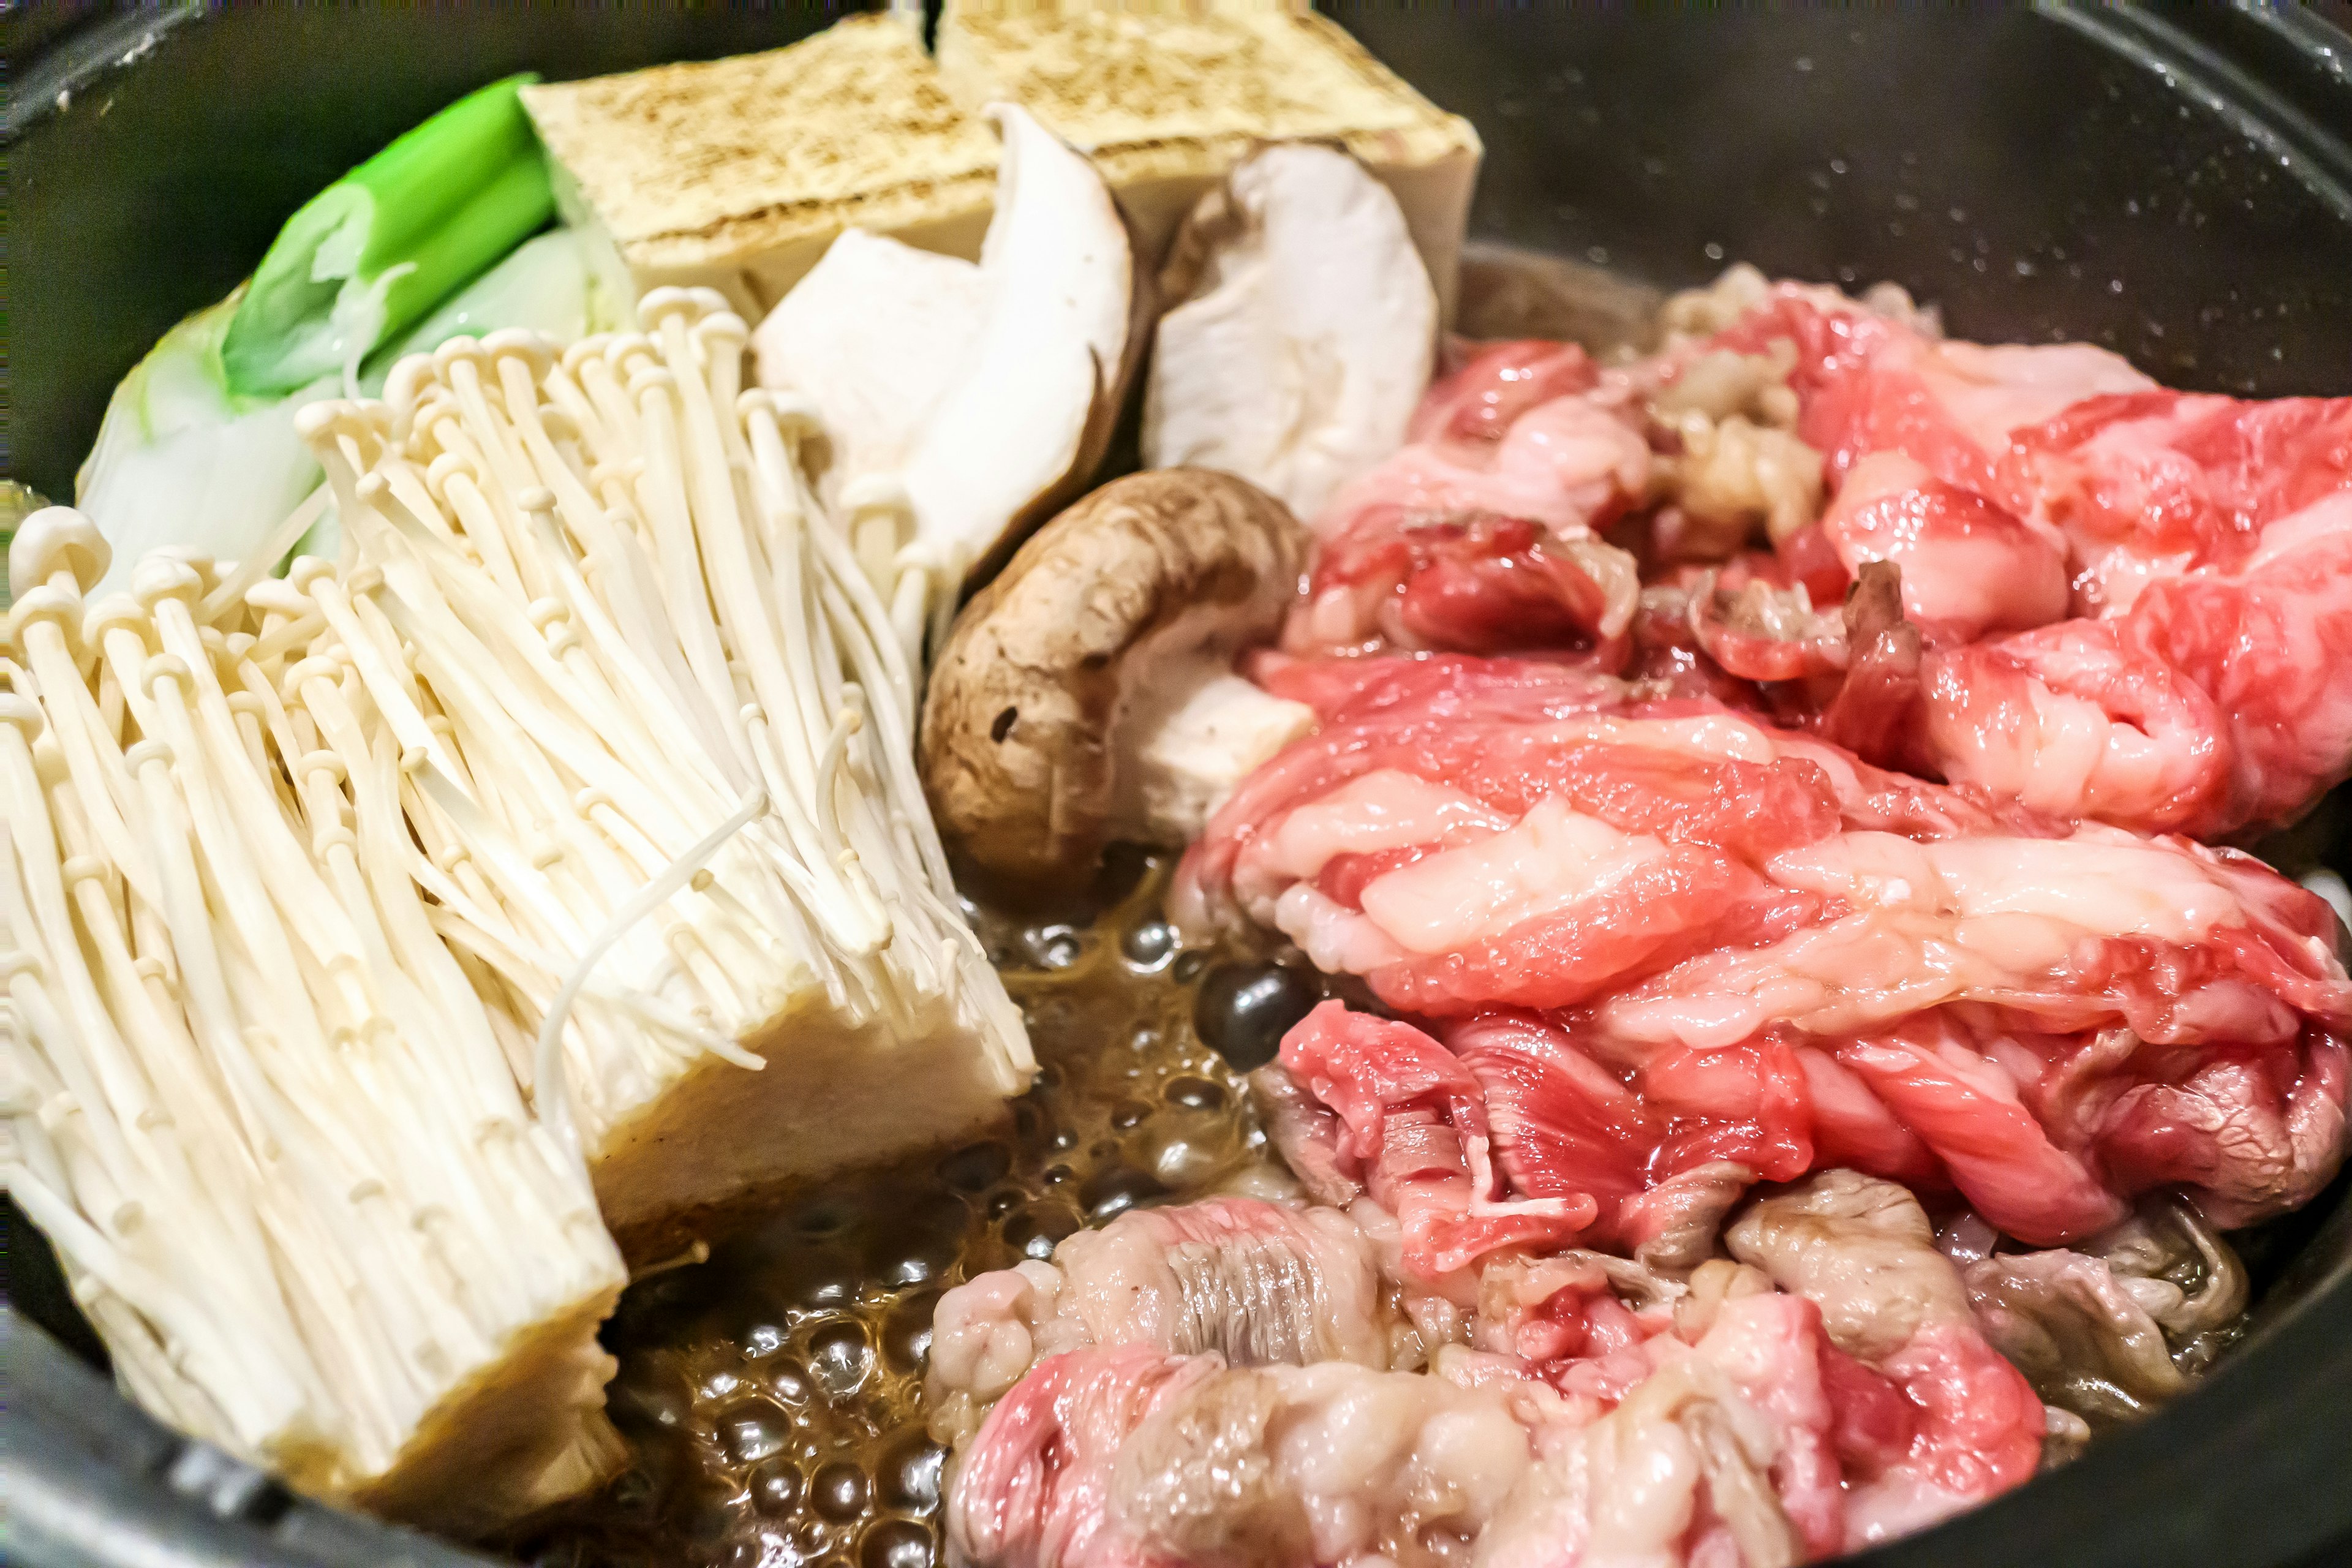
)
(772, 1397)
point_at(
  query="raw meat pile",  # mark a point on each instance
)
(1658, 936)
(1596, 1409)
(1763, 783)
(2114, 602)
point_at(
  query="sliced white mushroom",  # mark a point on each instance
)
(1023, 430)
(1307, 333)
(990, 391)
(873, 337)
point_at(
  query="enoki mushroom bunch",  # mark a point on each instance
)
(624, 647)
(250, 1092)
(366, 930)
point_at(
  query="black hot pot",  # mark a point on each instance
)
(2175, 183)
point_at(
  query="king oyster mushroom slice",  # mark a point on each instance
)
(873, 337)
(1308, 330)
(990, 389)
(1087, 694)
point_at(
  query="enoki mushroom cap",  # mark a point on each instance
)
(57, 538)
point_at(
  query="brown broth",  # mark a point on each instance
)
(772, 1397)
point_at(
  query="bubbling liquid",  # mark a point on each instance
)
(772, 1397)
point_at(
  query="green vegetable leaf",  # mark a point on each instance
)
(373, 253)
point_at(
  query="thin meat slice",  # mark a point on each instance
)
(1864, 1252)
(1869, 383)
(1994, 1151)
(1660, 934)
(1600, 1413)
(1117, 1458)
(2247, 1138)
(2117, 601)
(1681, 1471)
(1412, 1131)
(1253, 1282)
(2138, 602)
(2110, 1330)
(1483, 531)
(1306, 1133)
(2217, 701)
(1032, 1487)
(1740, 1433)
(2066, 1321)
(1567, 462)
(1968, 567)
(1757, 629)
(1429, 576)
(1610, 1434)
(1479, 400)
(1659, 1161)
(2159, 484)
(2075, 718)
(1564, 1128)
(1660, 910)
(986, 1334)
(1564, 1313)
(1348, 692)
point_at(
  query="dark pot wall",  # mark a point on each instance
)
(2080, 175)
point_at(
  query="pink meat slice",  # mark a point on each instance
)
(1439, 571)
(1970, 568)
(2219, 699)
(1255, 1281)
(2122, 601)
(1032, 1488)
(1716, 1452)
(1481, 531)
(1647, 937)
(2139, 601)
(1411, 1130)
(1868, 383)
(1895, 1311)
(1600, 1420)
(1478, 400)
(1117, 1459)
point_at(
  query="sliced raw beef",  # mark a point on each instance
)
(2137, 604)
(1410, 1128)
(1253, 1282)
(1652, 937)
(1719, 1457)
(1947, 1421)
(2117, 601)
(2110, 1330)
(1701, 973)
(1126, 1457)
(1483, 526)
(1606, 1415)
